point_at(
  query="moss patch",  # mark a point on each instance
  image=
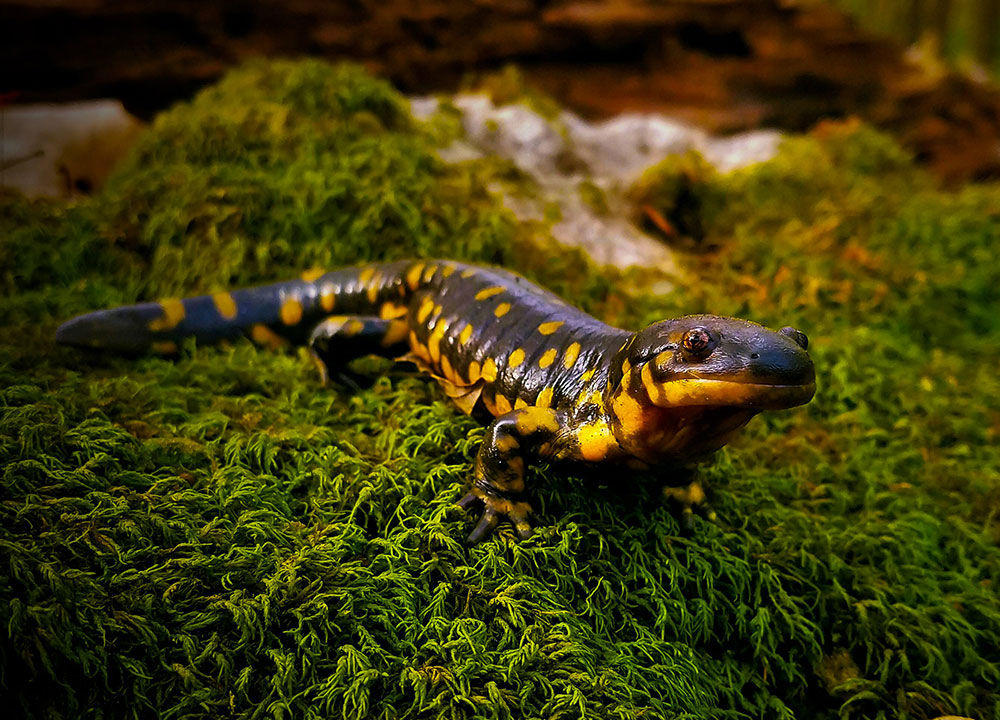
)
(220, 536)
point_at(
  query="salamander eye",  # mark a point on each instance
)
(698, 342)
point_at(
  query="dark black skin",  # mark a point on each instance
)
(561, 384)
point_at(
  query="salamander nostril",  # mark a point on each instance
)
(755, 356)
(797, 336)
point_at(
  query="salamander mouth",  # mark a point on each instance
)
(715, 392)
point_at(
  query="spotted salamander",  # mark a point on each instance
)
(561, 384)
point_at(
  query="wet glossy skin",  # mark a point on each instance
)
(561, 384)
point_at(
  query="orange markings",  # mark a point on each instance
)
(291, 311)
(425, 310)
(489, 292)
(489, 370)
(164, 348)
(328, 298)
(225, 304)
(473, 372)
(173, 314)
(263, 335)
(413, 276)
(503, 405)
(374, 286)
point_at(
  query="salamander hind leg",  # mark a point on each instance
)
(342, 338)
(499, 471)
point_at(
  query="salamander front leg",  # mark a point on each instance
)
(499, 472)
(342, 338)
(686, 492)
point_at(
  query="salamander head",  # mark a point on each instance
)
(712, 361)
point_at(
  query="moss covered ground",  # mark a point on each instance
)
(219, 536)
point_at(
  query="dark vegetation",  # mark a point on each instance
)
(222, 537)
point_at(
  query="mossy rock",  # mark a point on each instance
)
(221, 536)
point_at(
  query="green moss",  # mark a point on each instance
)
(593, 197)
(222, 536)
(508, 86)
(679, 198)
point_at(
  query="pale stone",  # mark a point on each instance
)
(63, 150)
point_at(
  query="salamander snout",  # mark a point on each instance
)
(712, 360)
(797, 335)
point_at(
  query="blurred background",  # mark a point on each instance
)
(919, 69)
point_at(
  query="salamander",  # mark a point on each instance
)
(561, 384)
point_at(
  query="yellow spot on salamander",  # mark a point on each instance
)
(631, 414)
(164, 348)
(516, 358)
(291, 311)
(466, 334)
(374, 285)
(395, 334)
(489, 292)
(425, 310)
(225, 304)
(263, 335)
(446, 368)
(447, 270)
(503, 405)
(544, 399)
(489, 370)
(418, 349)
(468, 273)
(429, 273)
(506, 443)
(588, 375)
(653, 390)
(547, 328)
(327, 298)
(534, 419)
(392, 311)
(353, 328)
(173, 314)
(596, 441)
(413, 339)
(547, 358)
(434, 341)
(473, 372)
(413, 276)
(572, 353)
(313, 275)
(502, 309)
(590, 396)
(366, 276)
(520, 403)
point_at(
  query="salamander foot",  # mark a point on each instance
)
(690, 498)
(495, 509)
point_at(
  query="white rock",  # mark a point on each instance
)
(611, 154)
(63, 150)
